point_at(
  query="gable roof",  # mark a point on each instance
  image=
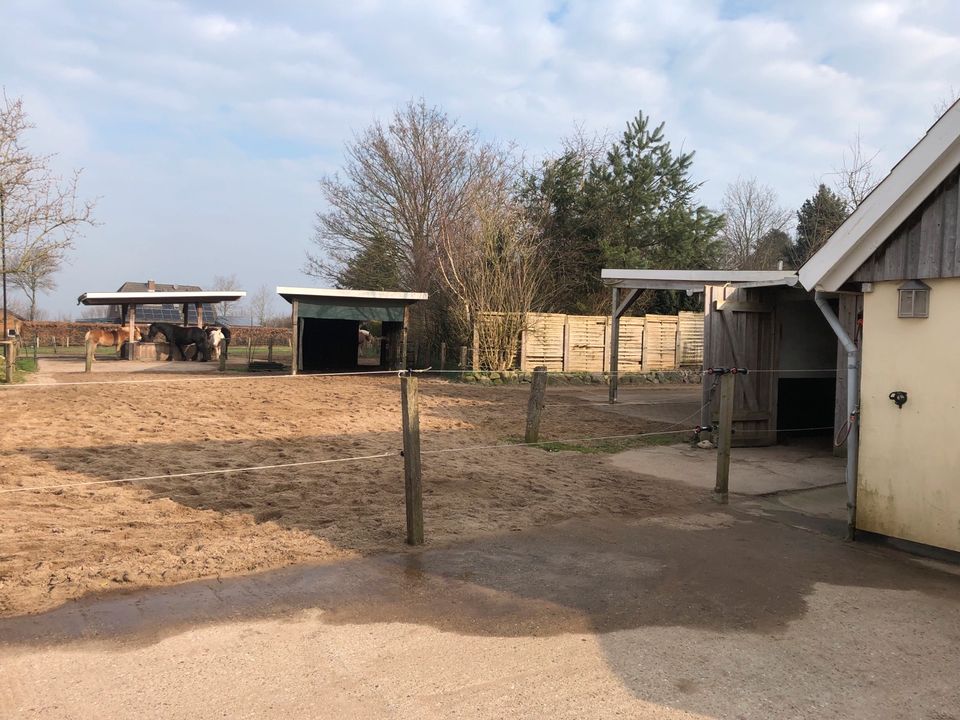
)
(902, 191)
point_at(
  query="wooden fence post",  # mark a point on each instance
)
(91, 351)
(476, 347)
(270, 349)
(443, 356)
(7, 361)
(411, 459)
(538, 389)
(222, 360)
(726, 434)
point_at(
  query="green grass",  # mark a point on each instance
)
(22, 368)
(606, 447)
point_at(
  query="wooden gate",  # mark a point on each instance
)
(740, 331)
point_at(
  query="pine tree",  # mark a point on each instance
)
(817, 219)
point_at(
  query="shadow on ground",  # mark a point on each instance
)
(723, 571)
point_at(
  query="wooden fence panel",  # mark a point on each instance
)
(660, 342)
(543, 342)
(690, 339)
(586, 343)
(630, 358)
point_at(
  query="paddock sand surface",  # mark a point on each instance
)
(57, 545)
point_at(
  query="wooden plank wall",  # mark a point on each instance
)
(543, 342)
(690, 339)
(743, 339)
(660, 342)
(630, 358)
(927, 245)
(581, 343)
(586, 343)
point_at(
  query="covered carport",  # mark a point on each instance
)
(326, 323)
(759, 320)
(128, 302)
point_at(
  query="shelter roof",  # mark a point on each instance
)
(909, 183)
(695, 280)
(159, 298)
(333, 294)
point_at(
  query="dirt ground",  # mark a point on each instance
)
(59, 545)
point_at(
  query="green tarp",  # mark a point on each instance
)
(352, 309)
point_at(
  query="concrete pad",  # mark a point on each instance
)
(712, 614)
(753, 471)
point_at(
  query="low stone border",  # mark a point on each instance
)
(508, 377)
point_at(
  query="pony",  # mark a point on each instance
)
(217, 341)
(181, 337)
(111, 337)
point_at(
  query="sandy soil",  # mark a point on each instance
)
(58, 545)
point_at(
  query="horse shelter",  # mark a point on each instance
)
(766, 322)
(326, 324)
(129, 301)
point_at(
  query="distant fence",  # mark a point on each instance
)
(581, 343)
(69, 334)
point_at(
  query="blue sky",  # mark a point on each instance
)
(203, 127)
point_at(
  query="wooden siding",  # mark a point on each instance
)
(927, 245)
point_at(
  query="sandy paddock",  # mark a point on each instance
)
(57, 545)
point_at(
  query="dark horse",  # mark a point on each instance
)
(181, 337)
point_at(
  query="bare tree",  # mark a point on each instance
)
(752, 212)
(492, 266)
(856, 177)
(226, 282)
(261, 305)
(402, 182)
(36, 275)
(945, 103)
(40, 215)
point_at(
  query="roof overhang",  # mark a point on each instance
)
(291, 293)
(159, 298)
(908, 184)
(695, 280)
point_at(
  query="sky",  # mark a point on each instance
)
(203, 128)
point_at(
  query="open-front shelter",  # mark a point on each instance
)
(760, 320)
(128, 302)
(326, 323)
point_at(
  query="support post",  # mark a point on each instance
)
(726, 435)
(199, 308)
(222, 360)
(270, 349)
(614, 344)
(403, 337)
(463, 360)
(538, 389)
(294, 340)
(411, 459)
(91, 351)
(186, 309)
(131, 330)
(443, 356)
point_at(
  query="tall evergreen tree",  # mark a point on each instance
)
(817, 219)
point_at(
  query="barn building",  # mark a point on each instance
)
(326, 324)
(896, 262)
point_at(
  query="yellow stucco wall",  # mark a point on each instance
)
(909, 475)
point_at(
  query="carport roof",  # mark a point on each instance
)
(695, 280)
(333, 294)
(159, 297)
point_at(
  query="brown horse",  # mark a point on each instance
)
(110, 337)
